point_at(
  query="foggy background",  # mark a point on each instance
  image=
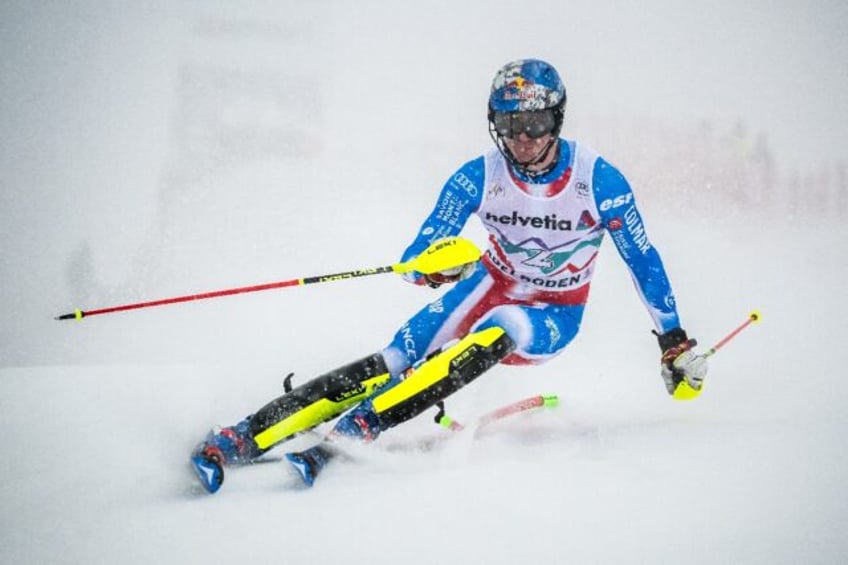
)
(167, 148)
(173, 148)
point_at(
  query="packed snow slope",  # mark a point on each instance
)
(163, 150)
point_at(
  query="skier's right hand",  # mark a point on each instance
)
(448, 276)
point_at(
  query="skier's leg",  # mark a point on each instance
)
(329, 395)
(302, 408)
(512, 334)
(439, 376)
(540, 332)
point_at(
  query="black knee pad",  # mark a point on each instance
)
(318, 400)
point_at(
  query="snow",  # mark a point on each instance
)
(168, 149)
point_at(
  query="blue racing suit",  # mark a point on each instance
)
(534, 277)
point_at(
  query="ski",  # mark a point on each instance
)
(309, 463)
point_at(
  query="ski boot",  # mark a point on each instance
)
(309, 463)
(359, 424)
(232, 445)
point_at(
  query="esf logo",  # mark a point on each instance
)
(465, 183)
(616, 202)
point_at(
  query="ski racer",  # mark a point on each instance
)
(547, 203)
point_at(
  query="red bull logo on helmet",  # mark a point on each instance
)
(513, 89)
(527, 92)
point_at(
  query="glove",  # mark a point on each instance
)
(455, 274)
(682, 369)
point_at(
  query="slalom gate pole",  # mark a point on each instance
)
(753, 317)
(440, 255)
(538, 401)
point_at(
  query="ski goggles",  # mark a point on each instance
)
(534, 124)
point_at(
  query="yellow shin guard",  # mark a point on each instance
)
(441, 375)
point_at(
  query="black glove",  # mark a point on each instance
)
(682, 369)
(448, 276)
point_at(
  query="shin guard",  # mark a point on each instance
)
(317, 401)
(442, 375)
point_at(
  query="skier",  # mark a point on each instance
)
(546, 203)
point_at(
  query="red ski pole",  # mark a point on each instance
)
(440, 255)
(79, 314)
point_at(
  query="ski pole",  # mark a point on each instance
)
(752, 318)
(439, 256)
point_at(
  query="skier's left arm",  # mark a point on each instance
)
(460, 196)
(683, 371)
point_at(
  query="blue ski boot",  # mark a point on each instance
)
(207, 463)
(232, 445)
(309, 463)
(360, 424)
